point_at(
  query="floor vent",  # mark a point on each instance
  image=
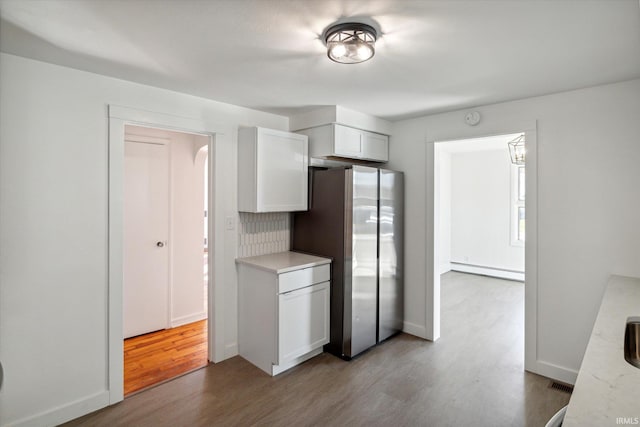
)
(567, 388)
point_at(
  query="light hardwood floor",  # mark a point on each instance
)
(473, 376)
(156, 357)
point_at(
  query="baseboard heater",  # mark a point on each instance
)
(500, 273)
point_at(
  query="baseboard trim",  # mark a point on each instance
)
(414, 329)
(190, 318)
(64, 413)
(230, 350)
(554, 372)
(488, 271)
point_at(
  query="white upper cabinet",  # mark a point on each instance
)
(336, 140)
(375, 146)
(347, 141)
(272, 170)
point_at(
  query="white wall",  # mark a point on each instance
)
(53, 229)
(339, 114)
(187, 225)
(588, 203)
(481, 211)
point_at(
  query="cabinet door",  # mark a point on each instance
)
(375, 147)
(303, 321)
(347, 142)
(281, 171)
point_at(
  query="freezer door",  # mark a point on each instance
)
(361, 313)
(391, 260)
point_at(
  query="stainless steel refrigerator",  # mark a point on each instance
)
(355, 217)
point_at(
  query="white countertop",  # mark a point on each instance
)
(608, 387)
(282, 262)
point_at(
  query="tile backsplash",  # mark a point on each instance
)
(263, 233)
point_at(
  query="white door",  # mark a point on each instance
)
(146, 232)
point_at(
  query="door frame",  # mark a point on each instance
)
(118, 118)
(432, 294)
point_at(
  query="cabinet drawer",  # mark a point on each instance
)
(301, 278)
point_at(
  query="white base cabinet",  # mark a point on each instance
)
(283, 312)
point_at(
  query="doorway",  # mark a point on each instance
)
(481, 208)
(118, 118)
(435, 250)
(165, 282)
(481, 244)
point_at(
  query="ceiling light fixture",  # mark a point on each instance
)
(350, 42)
(516, 150)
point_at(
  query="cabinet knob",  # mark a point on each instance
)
(160, 244)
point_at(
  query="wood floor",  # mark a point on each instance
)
(156, 357)
(472, 376)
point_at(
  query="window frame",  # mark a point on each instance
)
(518, 198)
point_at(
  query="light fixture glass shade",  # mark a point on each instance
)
(350, 43)
(516, 150)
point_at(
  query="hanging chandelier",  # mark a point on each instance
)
(516, 150)
(350, 42)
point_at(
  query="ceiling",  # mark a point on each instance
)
(433, 56)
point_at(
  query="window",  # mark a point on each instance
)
(517, 206)
(521, 223)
